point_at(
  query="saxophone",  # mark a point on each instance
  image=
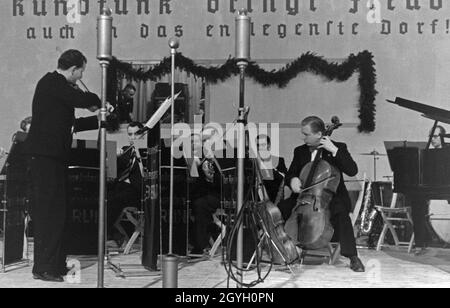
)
(369, 213)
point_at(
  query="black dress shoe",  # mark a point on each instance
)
(63, 272)
(48, 277)
(356, 264)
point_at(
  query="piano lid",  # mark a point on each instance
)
(430, 112)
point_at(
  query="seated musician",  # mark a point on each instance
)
(204, 191)
(125, 103)
(25, 127)
(126, 191)
(336, 154)
(273, 169)
(437, 140)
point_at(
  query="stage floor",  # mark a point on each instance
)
(389, 268)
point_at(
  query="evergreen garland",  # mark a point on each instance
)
(308, 62)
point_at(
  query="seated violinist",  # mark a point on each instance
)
(336, 154)
(273, 169)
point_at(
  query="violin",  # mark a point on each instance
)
(273, 222)
(111, 117)
(309, 224)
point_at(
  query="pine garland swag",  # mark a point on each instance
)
(308, 62)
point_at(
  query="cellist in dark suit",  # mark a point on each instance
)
(336, 154)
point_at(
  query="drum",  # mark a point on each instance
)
(439, 216)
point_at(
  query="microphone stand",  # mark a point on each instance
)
(221, 139)
(104, 55)
(243, 55)
(170, 261)
(240, 167)
(4, 210)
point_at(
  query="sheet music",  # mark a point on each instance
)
(156, 117)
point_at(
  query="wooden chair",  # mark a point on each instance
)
(222, 217)
(393, 214)
(132, 215)
(218, 217)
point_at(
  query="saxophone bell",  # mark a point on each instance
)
(369, 213)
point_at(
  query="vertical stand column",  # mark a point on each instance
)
(242, 55)
(170, 261)
(375, 168)
(104, 54)
(240, 171)
(102, 188)
(4, 211)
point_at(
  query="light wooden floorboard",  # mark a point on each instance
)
(385, 269)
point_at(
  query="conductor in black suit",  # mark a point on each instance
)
(49, 143)
(336, 154)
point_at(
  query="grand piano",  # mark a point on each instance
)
(423, 171)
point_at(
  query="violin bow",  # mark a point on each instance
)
(84, 86)
(317, 184)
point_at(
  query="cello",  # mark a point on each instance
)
(272, 220)
(309, 224)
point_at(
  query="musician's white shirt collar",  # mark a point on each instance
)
(314, 153)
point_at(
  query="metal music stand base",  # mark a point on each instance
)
(25, 261)
(194, 258)
(16, 265)
(131, 270)
(122, 270)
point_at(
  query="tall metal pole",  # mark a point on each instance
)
(375, 167)
(170, 261)
(173, 46)
(104, 54)
(4, 210)
(242, 55)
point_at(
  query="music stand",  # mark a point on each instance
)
(135, 270)
(16, 160)
(390, 145)
(84, 164)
